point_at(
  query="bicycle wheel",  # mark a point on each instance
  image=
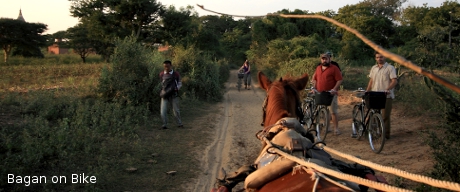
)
(322, 123)
(358, 121)
(307, 113)
(376, 132)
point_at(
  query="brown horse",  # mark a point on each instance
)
(278, 174)
(282, 101)
(282, 97)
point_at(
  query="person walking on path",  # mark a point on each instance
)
(328, 78)
(247, 74)
(383, 78)
(170, 85)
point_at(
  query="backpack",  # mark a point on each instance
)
(169, 87)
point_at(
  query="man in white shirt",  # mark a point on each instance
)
(383, 78)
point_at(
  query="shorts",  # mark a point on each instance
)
(334, 107)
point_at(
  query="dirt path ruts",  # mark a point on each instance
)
(234, 143)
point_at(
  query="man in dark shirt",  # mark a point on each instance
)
(171, 83)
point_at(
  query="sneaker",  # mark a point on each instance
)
(164, 127)
(354, 135)
(180, 126)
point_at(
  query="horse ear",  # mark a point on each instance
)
(301, 82)
(264, 82)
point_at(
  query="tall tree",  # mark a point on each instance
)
(80, 41)
(377, 28)
(178, 26)
(390, 9)
(26, 37)
(107, 20)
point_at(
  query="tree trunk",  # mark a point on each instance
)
(6, 50)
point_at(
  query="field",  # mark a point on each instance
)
(54, 124)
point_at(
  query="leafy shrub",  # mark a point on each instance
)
(132, 78)
(446, 146)
(92, 137)
(201, 77)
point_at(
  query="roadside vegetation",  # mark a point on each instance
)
(94, 112)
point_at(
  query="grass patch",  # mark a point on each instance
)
(52, 123)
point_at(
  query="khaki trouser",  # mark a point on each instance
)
(386, 113)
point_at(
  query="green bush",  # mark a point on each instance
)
(201, 77)
(132, 77)
(88, 136)
(445, 143)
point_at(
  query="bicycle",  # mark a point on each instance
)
(371, 121)
(316, 113)
(240, 79)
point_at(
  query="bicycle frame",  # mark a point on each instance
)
(362, 120)
(312, 119)
(366, 118)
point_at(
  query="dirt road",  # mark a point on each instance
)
(235, 143)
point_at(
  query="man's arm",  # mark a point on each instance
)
(392, 85)
(337, 85)
(369, 85)
(178, 81)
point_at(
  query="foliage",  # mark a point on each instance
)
(108, 20)
(64, 136)
(281, 52)
(25, 37)
(178, 27)
(374, 26)
(202, 78)
(132, 77)
(446, 146)
(80, 41)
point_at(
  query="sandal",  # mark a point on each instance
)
(337, 132)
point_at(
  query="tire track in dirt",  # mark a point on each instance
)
(234, 143)
(211, 160)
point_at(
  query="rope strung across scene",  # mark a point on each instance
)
(419, 178)
(397, 58)
(321, 169)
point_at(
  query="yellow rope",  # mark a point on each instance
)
(397, 58)
(340, 175)
(419, 178)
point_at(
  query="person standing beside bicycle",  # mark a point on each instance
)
(247, 74)
(328, 77)
(383, 78)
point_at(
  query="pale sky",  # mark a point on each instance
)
(56, 14)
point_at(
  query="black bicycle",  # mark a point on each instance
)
(240, 79)
(316, 113)
(371, 120)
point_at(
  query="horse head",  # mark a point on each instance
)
(282, 97)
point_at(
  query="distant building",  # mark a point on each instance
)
(55, 49)
(20, 17)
